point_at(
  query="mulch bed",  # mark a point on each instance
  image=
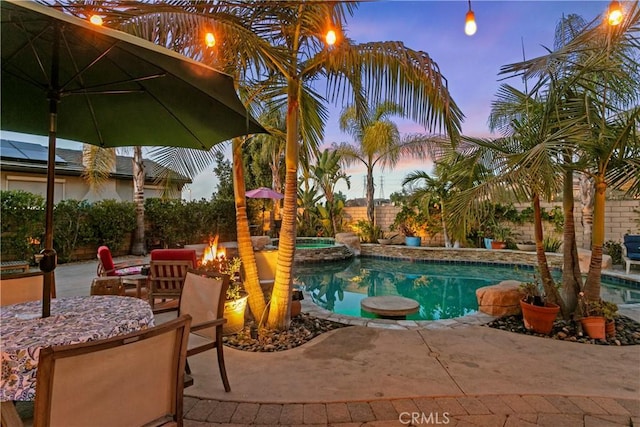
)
(627, 331)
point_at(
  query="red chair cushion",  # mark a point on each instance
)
(107, 261)
(174, 255)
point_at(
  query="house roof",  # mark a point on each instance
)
(21, 156)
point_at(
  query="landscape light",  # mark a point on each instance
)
(470, 26)
(614, 14)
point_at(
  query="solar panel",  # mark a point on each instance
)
(19, 150)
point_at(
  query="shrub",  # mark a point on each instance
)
(367, 232)
(111, 221)
(22, 224)
(71, 227)
(614, 250)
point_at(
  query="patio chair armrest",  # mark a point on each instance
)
(208, 324)
(164, 310)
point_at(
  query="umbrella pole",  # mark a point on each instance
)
(49, 257)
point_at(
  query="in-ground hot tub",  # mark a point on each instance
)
(319, 249)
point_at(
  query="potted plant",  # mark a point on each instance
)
(501, 234)
(593, 320)
(410, 221)
(236, 297)
(610, 312)
(538, 315)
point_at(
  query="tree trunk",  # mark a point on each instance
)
(587, 191)
(548, 284)
(571, 275)
(138, 247)
(370, 198)
(592, 284)
(279, 316)
(445, 234)
(256, 300)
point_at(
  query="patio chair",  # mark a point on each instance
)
(631, 250)
(21, 287)
(106, 266)
(175, 255)
(133, 380)
(203, 298)
(166, 279)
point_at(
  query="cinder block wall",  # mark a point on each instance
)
(621, 217)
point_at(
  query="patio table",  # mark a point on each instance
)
(73, 320)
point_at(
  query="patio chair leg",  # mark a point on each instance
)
(223, 370)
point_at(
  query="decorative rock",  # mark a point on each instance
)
(502, 299)
(584, 257)
(350, 240)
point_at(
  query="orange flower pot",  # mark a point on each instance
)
(594, 326)
(539, 319)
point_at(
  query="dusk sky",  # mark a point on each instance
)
(470, 64)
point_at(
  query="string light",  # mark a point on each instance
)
(331, 37)
(210, 39)
(470, 26)
(96, 19)
(614, 14)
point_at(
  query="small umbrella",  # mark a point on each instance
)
(62, 76)
(264, 193)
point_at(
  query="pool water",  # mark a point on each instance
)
(444, 291)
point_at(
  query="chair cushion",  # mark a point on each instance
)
(175, 255)
(105, 258)
(632, 238)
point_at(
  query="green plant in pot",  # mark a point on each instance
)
(410, 221)
(236, 297)
(538, 315)
(593, 319)
(501, 234)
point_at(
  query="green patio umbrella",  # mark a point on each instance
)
(62, 76)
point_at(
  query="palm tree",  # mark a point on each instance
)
(326, 172)
(601, 64)
(379, 143)
(279, 46)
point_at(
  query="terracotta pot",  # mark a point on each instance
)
(495, 244)
(610, 328)
(539, 319)
(594, 327)
(296, 308)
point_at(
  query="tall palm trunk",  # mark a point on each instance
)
(138, 247)
(586, 198)
(370, 193)
(256, 299)
(279, 312)
(571, 275)
(548, 284)
(592, 284)
(445, 232)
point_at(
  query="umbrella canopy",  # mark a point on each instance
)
(62, 76)
(264, 193)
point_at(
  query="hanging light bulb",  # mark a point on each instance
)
(210, 39)
(614, 14)
(96, 19)
(470, 26)
(331, 37)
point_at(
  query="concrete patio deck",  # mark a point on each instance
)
(455, 373)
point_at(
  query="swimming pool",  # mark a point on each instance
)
(444, 290)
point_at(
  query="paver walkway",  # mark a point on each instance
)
(484, 410)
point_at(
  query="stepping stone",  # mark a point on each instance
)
(390, 306)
